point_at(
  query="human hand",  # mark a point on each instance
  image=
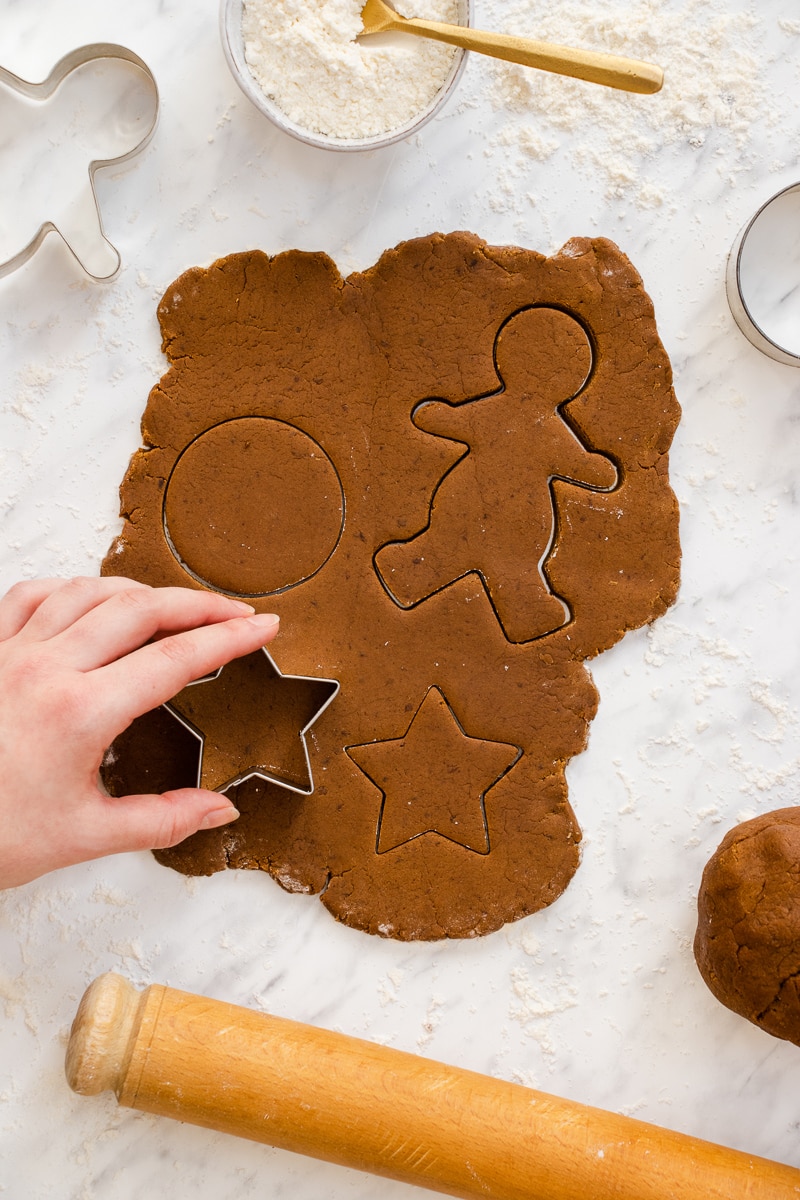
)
(79, 660)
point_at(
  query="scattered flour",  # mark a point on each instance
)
(716, 92)
(432, 1020)
(761, 694)
(389, 985)
(306, 59)
(756, 777)
(534, 1009)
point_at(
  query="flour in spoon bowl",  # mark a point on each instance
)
(305, 58)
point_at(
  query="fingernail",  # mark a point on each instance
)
(245, 608)
(265, 620)
(219, 816)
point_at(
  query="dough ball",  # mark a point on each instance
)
(747, 944)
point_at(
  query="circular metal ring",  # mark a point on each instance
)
(736, 300)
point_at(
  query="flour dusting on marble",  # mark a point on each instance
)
(534, 1004)
(389, 985)
(715, 99)
(716, 670)
(431, 1020)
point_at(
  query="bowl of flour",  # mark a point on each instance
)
(301, 64)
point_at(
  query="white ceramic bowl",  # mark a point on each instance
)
(233, 46)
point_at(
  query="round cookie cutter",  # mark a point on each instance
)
(41, 93)
(741, 311)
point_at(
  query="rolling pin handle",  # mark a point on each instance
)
(103, 1035)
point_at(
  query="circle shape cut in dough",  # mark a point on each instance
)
(236, 504)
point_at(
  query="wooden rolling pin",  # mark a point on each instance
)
(351, 1102)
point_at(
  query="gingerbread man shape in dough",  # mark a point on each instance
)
(493, 512)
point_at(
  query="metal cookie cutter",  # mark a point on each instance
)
(736, 287)
(303, 784)
(97, 107)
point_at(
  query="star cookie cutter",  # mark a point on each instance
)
(740, 309)
(112, 122)
(258, 772)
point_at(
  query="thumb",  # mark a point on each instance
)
(153, 822)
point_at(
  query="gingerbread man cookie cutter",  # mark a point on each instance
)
(99, 99)
(744, 294)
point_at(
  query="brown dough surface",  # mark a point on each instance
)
(747, 944)
(434, 779)
(250, 718)
(448, 475)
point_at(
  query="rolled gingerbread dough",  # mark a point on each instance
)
(448, 475)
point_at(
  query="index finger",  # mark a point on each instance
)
(131, 616)
(155, 673)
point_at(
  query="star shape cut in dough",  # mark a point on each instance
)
(434, 779)
(253, 720)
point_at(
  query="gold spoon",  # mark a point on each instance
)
(628, 74)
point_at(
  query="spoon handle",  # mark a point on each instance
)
(627, 74)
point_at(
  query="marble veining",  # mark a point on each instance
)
(598, 997)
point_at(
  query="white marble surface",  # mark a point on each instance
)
(597, 998)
